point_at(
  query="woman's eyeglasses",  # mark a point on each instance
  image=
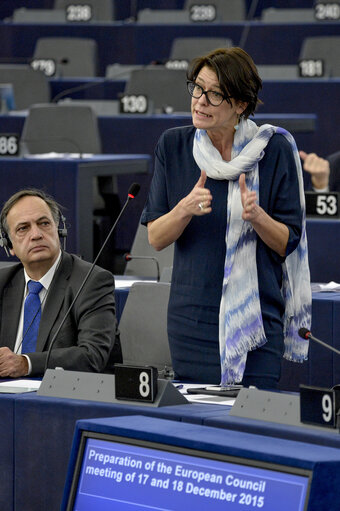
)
(213, 97)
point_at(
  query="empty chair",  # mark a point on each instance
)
(73, 56)
(145, 266)
(29, 86)
(166, 16)
(143, 327)
(91, 10)
(166, 88)
(23, 15)
(294, 15)
(278, 72)
(61, 129)
(326, 48)
(190, 47)
(226, 10)
(68, 129)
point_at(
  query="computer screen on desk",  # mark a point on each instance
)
(119, 473)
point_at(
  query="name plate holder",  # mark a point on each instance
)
(314, 408)
(264, 405)
(101, 387)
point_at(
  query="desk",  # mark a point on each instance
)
(7, 451)
(324, 249)
(130, 134)
(70, 182)
(278, 96)
(40, 465)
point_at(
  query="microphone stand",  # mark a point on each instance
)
(134, 189)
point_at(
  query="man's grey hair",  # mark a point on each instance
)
(28, 192)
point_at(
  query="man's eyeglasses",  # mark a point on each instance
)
(214, 98)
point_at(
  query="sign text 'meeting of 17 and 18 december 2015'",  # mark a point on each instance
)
(129, 475)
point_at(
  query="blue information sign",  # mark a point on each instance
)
(124, 477)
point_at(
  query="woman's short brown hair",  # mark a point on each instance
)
(236, 73)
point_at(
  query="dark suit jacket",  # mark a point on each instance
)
(88, 340)
(334, 177)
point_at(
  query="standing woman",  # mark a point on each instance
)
(230, 195)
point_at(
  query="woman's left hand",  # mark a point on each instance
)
(273, 233)
(249, 201)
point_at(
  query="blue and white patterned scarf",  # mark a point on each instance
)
(240, 325)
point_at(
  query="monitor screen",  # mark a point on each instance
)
(119, 473)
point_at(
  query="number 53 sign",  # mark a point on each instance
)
(319, 406)
(322, 205)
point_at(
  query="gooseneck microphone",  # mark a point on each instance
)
(306, 334)
(129, 257)
(132, 193)
(84, 86)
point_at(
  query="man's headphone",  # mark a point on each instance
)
(6, 243)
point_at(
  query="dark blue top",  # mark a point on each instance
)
(200, 251)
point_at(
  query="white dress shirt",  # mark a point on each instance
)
(46, 282)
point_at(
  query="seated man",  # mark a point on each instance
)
(30, 312)
(325, 173)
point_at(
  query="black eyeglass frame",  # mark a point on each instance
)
(206, 92)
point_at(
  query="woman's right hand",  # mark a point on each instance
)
(198, 201)
(166, 229)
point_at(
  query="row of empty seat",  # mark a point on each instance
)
(219, 11)
(75, 57)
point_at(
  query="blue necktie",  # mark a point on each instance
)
(32, 315)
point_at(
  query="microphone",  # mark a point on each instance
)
(89, 85)
(246, 29)
(306, 334)
(132, 193)
(129, 257)
(78, 88)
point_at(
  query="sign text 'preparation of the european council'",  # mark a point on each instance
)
(122, 476)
